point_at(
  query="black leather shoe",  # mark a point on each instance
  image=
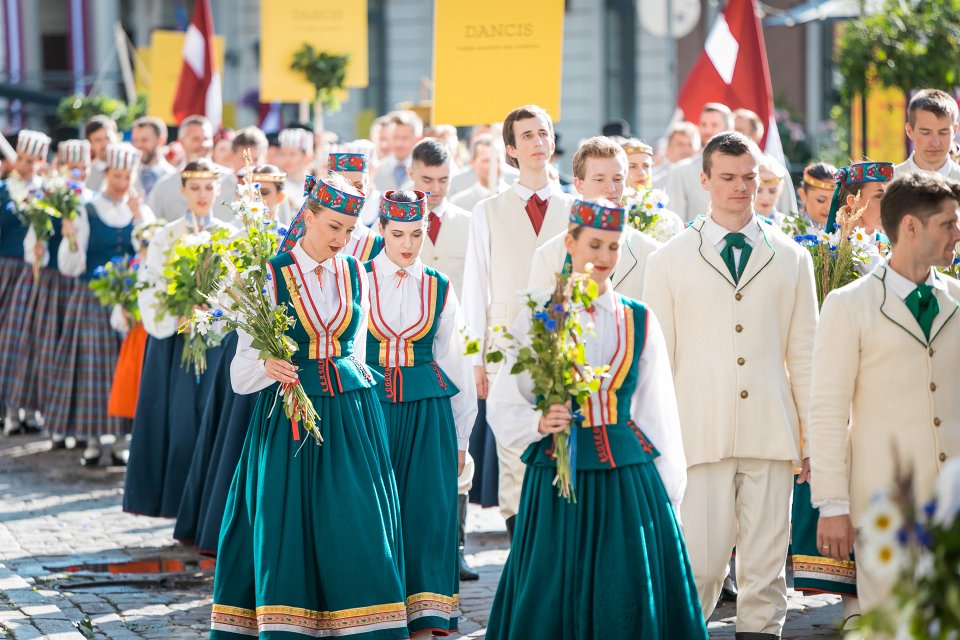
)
(729, 591)
(511, 522)
(91, 456)
(466, 571)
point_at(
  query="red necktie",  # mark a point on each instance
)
(536, 210)
(433, 230)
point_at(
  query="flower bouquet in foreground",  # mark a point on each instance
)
(244, 306)
(554, 357)
(115, 283)
(919, 549)
(843, 256)
(57, 199)
(644, 207)
(192, 269)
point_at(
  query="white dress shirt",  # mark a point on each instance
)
(398, 302)
(653, 407)
(716, 235)
(358, 240)
(476, 270)
(321, 285)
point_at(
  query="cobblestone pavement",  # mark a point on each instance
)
(65, 546)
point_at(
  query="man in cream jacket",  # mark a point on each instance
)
(887, 389)
(505, 230)
(736, 301)
(445, 247)
(599, 171)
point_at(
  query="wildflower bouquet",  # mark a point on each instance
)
(115, 283)
(643, 208)
(193, 267)
(840, 257)
(63, 195)
(920, 549)
(954, 269)
(553, 355)
(243, 305)
(56, 198)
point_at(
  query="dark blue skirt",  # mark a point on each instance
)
(165, 428)
(483, 450)
(223, 428)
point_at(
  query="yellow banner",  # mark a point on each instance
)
(493, 56)
(886, 113)
(336, 27)
(165, 59)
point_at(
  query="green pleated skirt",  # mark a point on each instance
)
(310, 544)
(423, 450)
(614, 565)
(812, 572)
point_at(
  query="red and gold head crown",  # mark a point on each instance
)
(332, 198)
(403, 211)
(598, 216)
(347, 162)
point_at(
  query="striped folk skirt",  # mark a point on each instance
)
(29, 333)
(85, 359)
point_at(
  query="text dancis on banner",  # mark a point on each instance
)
(489, 57)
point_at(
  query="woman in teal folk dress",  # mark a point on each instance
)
(429, 401)
(614, 564)
(311, 542)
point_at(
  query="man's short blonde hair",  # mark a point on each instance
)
(597, 147)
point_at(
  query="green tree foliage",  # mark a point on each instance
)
(908, 44)
(325, 71)
(73, 111)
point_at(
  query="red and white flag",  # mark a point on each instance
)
(733, 70)
(198, 91)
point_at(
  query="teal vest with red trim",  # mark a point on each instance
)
(324, 353)
(607, 437)
(404, 355)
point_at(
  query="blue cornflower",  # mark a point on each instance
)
(540, 315)
(903, 537)
(217, 314)
(550, 324)
(263, 291)
(269, 277)
(117, 260)
(136, 266)
(99, 272)
(930, 508)
(558, 308)
(923, 536)
(129, 281)
(659, 205)
(956, 260)
(282, 231)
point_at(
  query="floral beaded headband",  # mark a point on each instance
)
(270, 177)
(202, 174)
(328, 196)
(858, 173)
(347, 162)
(403, 211)
(598, 216)
(332, 198)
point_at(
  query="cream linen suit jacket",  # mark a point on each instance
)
(741, 353)
(882, 392)
(448, 255)
(627, 277)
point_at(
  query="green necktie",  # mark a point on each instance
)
(736, 241)
(924, 307)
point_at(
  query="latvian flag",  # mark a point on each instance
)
(198, 92)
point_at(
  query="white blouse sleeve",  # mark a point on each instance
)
(511, 405)
(248, 373)
(448, 349)
(74, 263)
(476, 271)
(654, 409)
(151, 275)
